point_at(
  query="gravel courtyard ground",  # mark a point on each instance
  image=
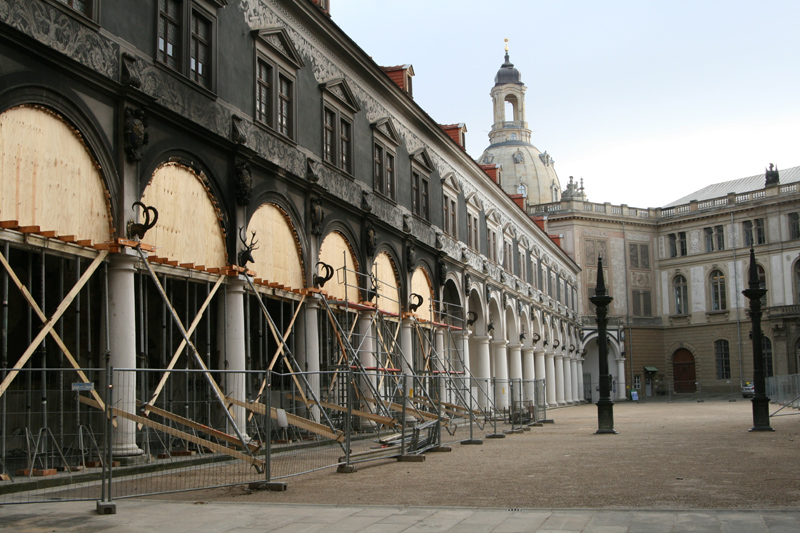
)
(681, 455)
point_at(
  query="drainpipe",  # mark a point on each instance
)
(627, 303)
(738, 315)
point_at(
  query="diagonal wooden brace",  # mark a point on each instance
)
(48, 324)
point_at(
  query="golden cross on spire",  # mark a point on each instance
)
(506, 41)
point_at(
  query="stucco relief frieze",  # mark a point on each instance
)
(50, 26)
(643, 237)
(640, 279)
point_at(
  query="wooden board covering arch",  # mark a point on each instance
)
(278, 256)
(48, 177)
(337, 252)
(421, 284)
(385, 271)
(189, 227)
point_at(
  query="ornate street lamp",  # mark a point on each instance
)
(760, 400)
(605, 407)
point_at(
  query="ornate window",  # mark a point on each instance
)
(639, 255)
(338, 108)
(794, 226)
(186, 36)
(421, 169)
(450, 190)
(384, 145)
(718, 302)
(492, 229)
(680, 295)
(277, 63)
(722, 356)
(754, 232)
(641, 303)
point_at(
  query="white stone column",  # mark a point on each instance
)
(443, 366)
(581, 395)
(528, 373)
(576, 392)
(407, 347)
(550, 379)
(366, 354)
(122, 347)
(559, 368)
(482, 370)
(464, 384)
(310, 317)
(567, 379)
(621, 393)
(235, 350)
(500, 373)
(515, 370)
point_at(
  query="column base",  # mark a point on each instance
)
(121, 451)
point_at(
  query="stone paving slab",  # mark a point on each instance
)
(152, 515)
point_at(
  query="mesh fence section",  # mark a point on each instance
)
(51, 444)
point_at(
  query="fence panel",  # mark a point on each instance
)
(51, 445)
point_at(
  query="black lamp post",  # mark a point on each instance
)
(760, 401)
(605, 407)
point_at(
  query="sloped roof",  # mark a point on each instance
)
(752, 183)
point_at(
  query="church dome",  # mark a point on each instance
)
(507, 74)
(524, 169)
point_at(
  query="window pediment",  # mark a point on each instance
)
(473, 201)
(422, 158)
(278, 41)
(385, 127)
(449, 181)
(339, 90)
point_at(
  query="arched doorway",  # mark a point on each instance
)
(683, 371)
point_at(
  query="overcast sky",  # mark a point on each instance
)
(646, 100)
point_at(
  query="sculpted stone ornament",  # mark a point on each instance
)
(411, 256)
(371, 239)
(238, 134)
(313, 171)
(134, 133)
(129, 74)
(439, 240)
(243, 183)
(467, 283)
(442, 271)
(317, 216)
(365, 204)
(407, 223)
(772, 176)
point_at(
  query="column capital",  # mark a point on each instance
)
(500, 342)
(235, 284)
(527, 349)
(481, 339)
(515, 346)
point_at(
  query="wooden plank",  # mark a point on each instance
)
(385, 420)
(9, 224)
(48, 325)
(198, 426)
(399, 408)
(177, 433)
(297, 421)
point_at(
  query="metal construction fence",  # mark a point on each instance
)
(125, 433)
(784, 390)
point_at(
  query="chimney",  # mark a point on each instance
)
(457, 132)
(401, 75)
(493, 171)
(323, 5)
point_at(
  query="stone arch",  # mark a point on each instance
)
(279, 256)
(387, 278)
(338, 252)
(421, 284)
(190, 228)
(454, 312)
(49, 176)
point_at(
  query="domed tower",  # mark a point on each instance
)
(525, 169)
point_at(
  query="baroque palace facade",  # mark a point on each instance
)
(254, 137)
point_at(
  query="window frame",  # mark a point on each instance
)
(717, 289)
(421, 170)
(184, 21)
(274, 49)
(384, 169)
(338, 136)
(450, 192)
(793, 220)
(90, 18)
(680, 295)
(642, 306)
(640, 259)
